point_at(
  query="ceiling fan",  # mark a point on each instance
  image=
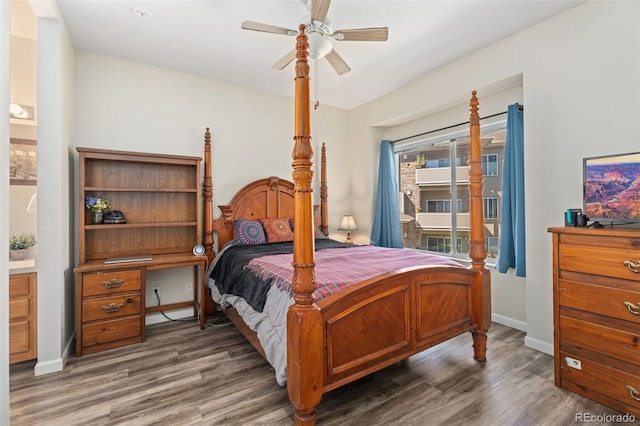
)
(321, 36)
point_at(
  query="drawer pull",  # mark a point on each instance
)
(112, 283)
(113, 307)
(634, 309)
(633, 267)
(634, 393)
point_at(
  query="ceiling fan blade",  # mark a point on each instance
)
(319, 9)
(282, 63)
(266, 28)
(337, 62)
(362, 34)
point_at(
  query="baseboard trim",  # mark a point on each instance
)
(538, 345)
(509, 322)
(157, 317)
(55, 365)
(47, 367)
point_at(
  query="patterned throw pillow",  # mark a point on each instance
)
(277, 229)
(249, 232)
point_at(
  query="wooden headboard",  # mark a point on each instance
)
(263, 198)
(269, 197)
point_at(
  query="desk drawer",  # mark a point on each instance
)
(609, 301)
(110, 331)
(111, 282)
(110, 307)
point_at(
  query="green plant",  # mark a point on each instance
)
(22, 241)
(421, 160)
(97, 204)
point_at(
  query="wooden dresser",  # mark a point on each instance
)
(23, 324)
(596, 299)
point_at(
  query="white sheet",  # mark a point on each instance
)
(270, 324)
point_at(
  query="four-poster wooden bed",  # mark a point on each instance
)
(376, 322)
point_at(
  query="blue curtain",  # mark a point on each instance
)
(512, 239)
(386, 230)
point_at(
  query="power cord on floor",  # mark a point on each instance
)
(155, 290)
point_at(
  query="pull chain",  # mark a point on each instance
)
(317, 103)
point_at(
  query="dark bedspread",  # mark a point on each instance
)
(232, 277)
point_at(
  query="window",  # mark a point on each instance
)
(442, 206)
(490, 207)
(441, 184)
(489, 164)
(441, 244)
(492, 244)
(441, 162)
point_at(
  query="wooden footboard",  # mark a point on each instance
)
(387, 318)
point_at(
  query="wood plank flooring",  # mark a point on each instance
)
(184, 376)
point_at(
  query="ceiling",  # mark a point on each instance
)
(204, 38)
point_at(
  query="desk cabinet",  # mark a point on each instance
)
(596, 292)
(159, 196)
(109, 304)
(23, 324)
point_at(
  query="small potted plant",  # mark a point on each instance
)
(97, 205)
(19, 245)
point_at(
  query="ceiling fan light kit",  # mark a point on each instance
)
(320, 36)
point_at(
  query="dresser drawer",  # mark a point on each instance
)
(609, 301)
(19, 337)
(617, 387)
(19, 285)
(18, 309)
(605, 261)
(619, 343)
(110, 282)
(110, 331)
(110, 307)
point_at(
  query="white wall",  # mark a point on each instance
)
(56, 289)
(4, 212)
(124, 105)
(581, 83)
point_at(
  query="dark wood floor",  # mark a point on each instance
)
(184, 376)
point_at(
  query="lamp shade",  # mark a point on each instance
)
(348, 224)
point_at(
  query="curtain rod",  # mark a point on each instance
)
(520, 108)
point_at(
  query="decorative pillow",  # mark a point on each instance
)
(249, 232)
(316, 234)
(277, 229)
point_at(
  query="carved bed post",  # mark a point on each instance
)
(324, 211)
(477, 251)
(304, 321)
(208, 306)
(207, 193)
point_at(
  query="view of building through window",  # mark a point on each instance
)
(434, 196)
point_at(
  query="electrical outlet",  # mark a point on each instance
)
(188, 287)
(155, 292)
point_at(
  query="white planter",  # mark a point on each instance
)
(18, 254)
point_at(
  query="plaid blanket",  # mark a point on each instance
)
(231, 276)
(338, 268)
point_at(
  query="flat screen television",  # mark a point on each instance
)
(612, 188)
